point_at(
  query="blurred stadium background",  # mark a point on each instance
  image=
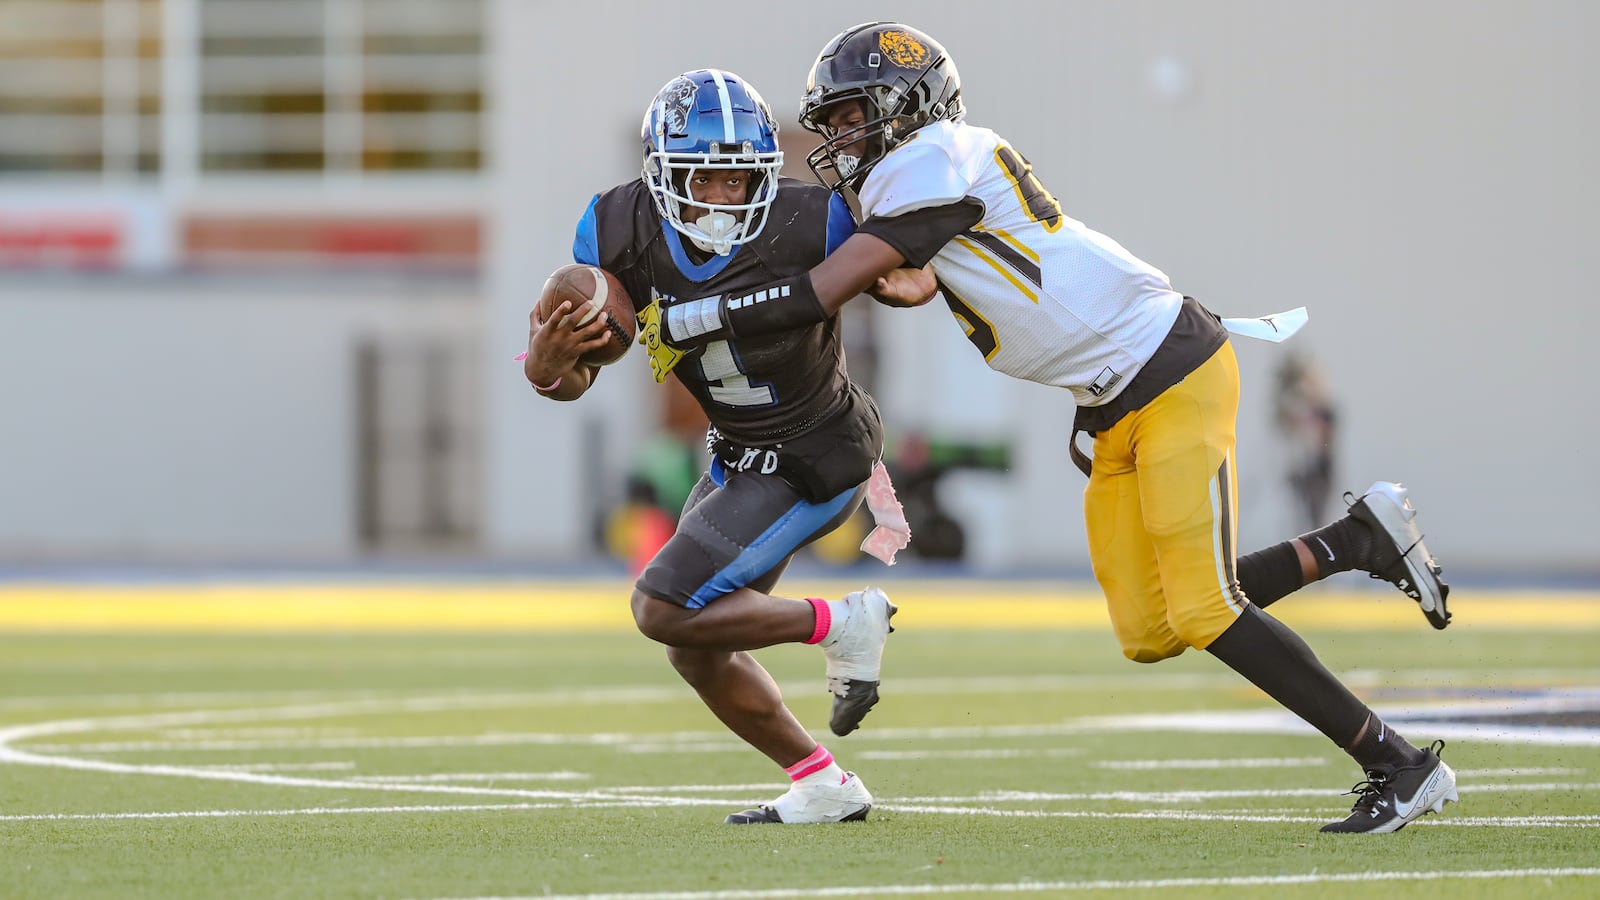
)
(264, 263)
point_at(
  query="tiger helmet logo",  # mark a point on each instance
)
(902, 49)
(672, 107)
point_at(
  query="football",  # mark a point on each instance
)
(593, 292)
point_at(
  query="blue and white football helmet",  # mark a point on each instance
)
(711, 119)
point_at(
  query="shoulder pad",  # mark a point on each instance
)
(796, 236)
(625, 223)
(915, 175)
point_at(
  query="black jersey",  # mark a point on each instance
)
(757, 391)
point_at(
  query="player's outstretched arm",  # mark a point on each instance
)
(858, 266)
(554, 348)
(798, 301)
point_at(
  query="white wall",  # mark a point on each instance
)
(176, 417)
(1420, 175)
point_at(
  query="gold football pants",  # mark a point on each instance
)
(1161, 512)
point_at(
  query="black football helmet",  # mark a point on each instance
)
(903, 78)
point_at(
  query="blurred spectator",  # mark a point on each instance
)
(1307, 420)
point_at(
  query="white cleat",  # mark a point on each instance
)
(812, 804)
(1398, 554)
(855, 655)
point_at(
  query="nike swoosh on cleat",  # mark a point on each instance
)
(1403, 808)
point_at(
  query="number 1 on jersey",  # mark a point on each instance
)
(726, 383)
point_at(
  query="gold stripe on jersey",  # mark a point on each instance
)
(1024, 249)
(1019, 263)
(998, 266)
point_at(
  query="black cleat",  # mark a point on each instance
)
(852, 700)
(1388, 802)
(1398, 554)
(761, 815)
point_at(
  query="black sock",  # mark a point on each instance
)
(1381, 748)
(1276, 660)
(1340, 547)
(1267, 576)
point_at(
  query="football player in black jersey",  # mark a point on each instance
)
(1152, 373)
(795, 443)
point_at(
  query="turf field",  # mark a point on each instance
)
(520, 740)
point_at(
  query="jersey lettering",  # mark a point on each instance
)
(1041, 206)
(728, 384)
(768, 460)
(978, 329)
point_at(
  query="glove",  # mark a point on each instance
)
(663, 356)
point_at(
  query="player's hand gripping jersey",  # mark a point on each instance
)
(1040, 295)
(786, 392)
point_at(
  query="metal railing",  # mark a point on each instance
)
(177, 89)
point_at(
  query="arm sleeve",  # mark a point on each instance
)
(920, 235)
(586, 245)
(777, 306)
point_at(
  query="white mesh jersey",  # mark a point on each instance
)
(1043, 297)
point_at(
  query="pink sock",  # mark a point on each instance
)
(824, 619)
(819, 759)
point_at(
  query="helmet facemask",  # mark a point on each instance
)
(902, 80)
(719, 226)
(846, 156)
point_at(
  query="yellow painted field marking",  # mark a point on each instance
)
(603, 606)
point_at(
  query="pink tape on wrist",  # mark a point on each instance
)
(548, 387)
(824, 620)
(819, 759)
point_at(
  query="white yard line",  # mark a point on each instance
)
(1015, 887)
(1158, 764)
(341, 766)
(448, 777)
(987, 753)
(1199, 796)
(650, 802)
(1146, 680)
(1515, 773)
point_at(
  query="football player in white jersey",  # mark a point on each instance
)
(952, 209)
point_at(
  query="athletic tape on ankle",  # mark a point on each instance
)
(819, 759)
(824, 620)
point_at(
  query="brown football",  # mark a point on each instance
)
(592, 291)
